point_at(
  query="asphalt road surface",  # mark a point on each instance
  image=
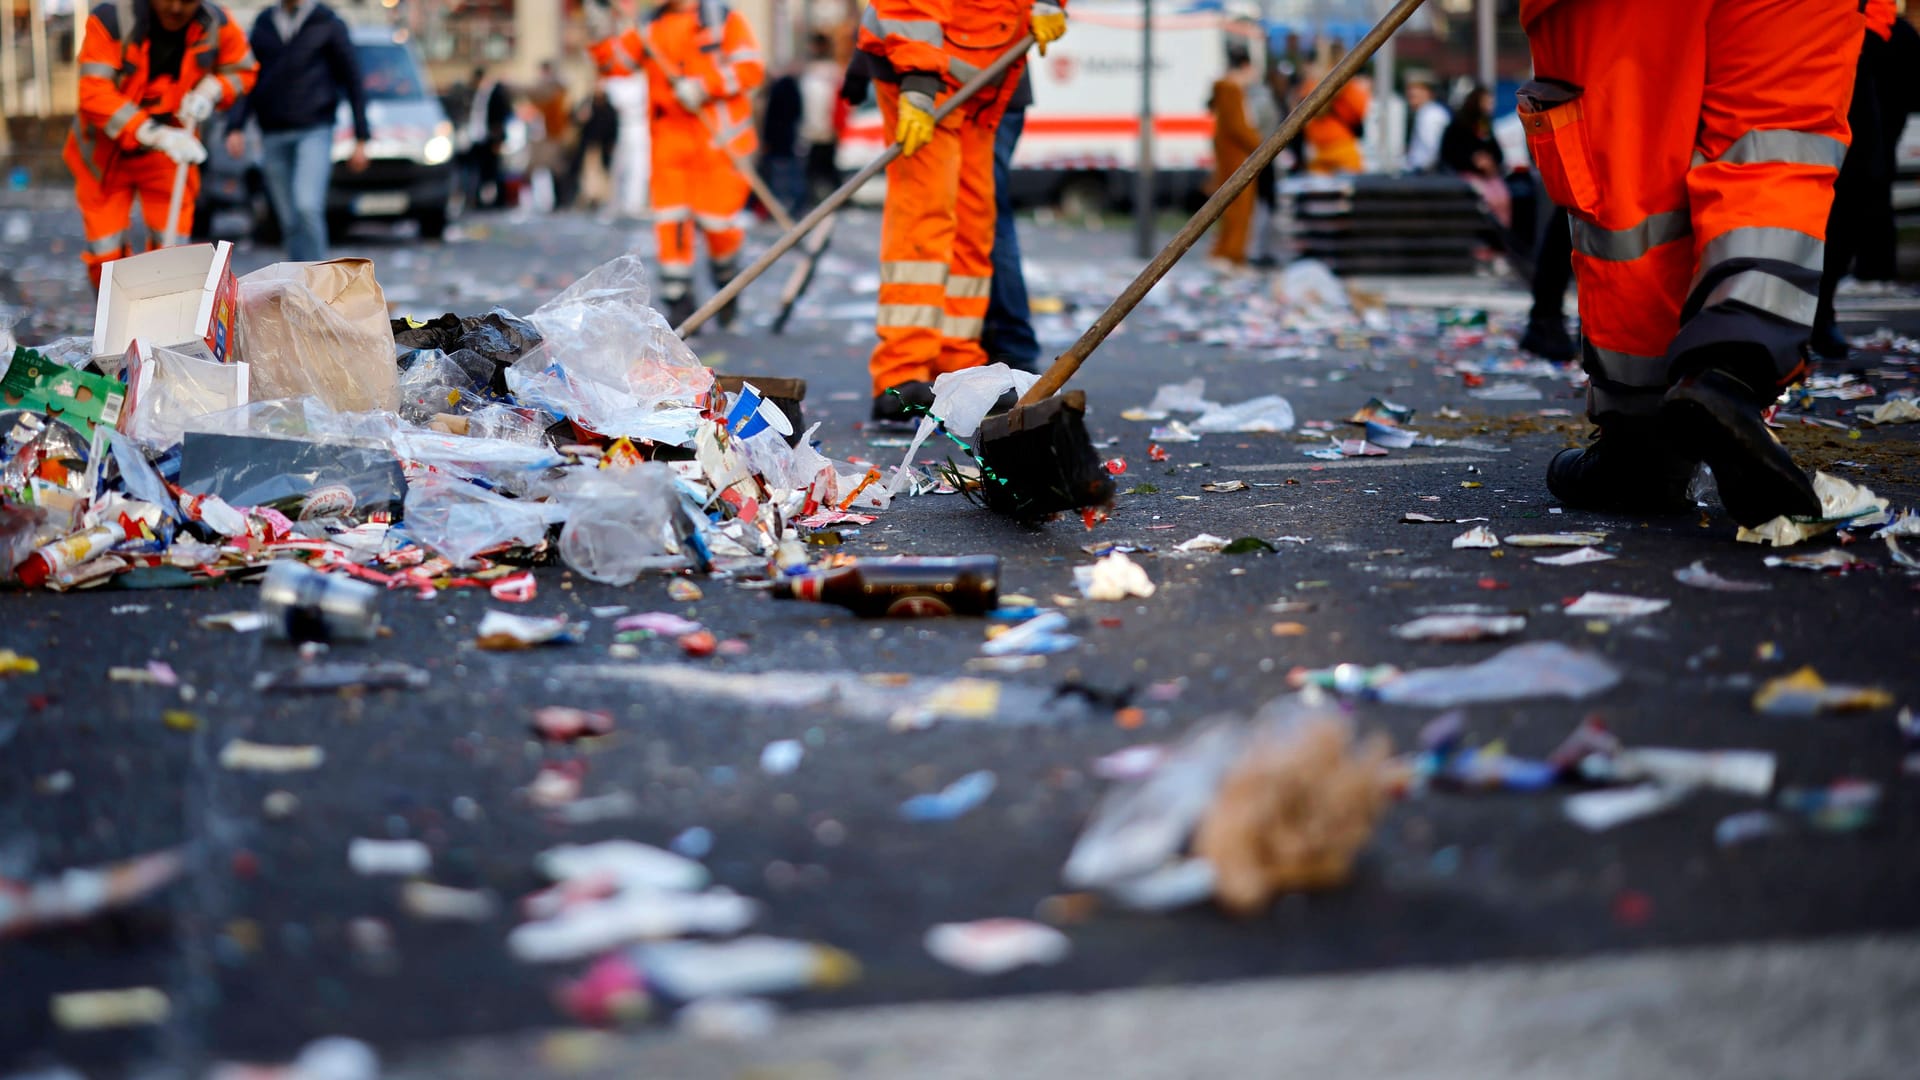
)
(265, 943)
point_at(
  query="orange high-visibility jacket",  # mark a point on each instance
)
(117, 94)
(950, 39)
(1880, 15)
(726, 60)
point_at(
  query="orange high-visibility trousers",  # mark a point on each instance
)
(106, 205)
(1695, 146)
(936, 248)
(695, 189)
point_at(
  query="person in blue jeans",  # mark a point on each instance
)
(1007, 335)
(307, 65)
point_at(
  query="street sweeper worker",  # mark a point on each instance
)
(147, 70)
(1695, 147)
(700, 101)
(936, 243)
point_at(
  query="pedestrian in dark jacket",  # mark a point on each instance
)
(307, 65)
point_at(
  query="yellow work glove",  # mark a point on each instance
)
(915, 128)
(1049, 24)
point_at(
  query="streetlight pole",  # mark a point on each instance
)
(1144, 245)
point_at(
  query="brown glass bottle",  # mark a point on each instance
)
(903, 588)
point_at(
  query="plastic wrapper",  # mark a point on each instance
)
(1139, 827)
(511, 466)
(1270, 412)
(609, 409)
(601, 328)
(1297, 807)
(621, 523)
(433, 384)
(307, 481)
(173, 388)
(304, 418)
(319, 329)
(961, 400)
(1533, 669)
(82, 893)
(22, 529)
(137, 476)
(1312, 295)
(459, 520)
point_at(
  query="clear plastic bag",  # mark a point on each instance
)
(1270, 412)
(511, 466)
(434, 383)
(307, 419)
(459, 520)
(539, 380)
(318, 329)
(621, 523)
(171, 389)
(601, 329)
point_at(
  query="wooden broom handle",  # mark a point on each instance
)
(1069, 362)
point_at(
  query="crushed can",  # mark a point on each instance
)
(303, 604)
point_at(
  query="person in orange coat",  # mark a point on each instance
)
(937, 229)
(1695, 147)
(1234, 140)
(148, 68)
(699, 94)
(1333, 136)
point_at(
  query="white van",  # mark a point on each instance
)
(1081, 144)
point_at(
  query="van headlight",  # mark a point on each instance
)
(438, 150)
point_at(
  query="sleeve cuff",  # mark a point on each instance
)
(922, 83)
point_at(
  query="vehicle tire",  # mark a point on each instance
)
(433, 224)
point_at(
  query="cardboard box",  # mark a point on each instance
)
(180, 298)
(82, 400)
(167, 388)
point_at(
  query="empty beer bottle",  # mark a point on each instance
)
(903, 588)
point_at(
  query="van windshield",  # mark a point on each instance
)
(389, 73)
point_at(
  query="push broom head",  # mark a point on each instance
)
(1040, 461)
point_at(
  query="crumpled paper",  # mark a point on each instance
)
(1840, 502)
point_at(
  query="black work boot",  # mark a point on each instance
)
(677, 293)
(1631, 466)
(1719, 418)
(1828, 343)
(1548, 339)
(891, 407)
(723, 272)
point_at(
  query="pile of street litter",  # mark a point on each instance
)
(215, 424)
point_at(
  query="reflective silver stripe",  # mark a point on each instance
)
(672, 214)
(635, 58)
(1630, 369)
(743, 56)
(958, 326)
(1044, 8)
(913, 272)
(928, 316)
(99, 71)
(925, 31)
(83, 138)
(1628, 244)
(1790, 147)
(1759, 289)
(727, 135)
(714, 222)
(246, 61)
(121, 117)
(729, 82)
(232, 83)
(1764, 242)
(109, 244)
(968, 287)
(961, 70)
